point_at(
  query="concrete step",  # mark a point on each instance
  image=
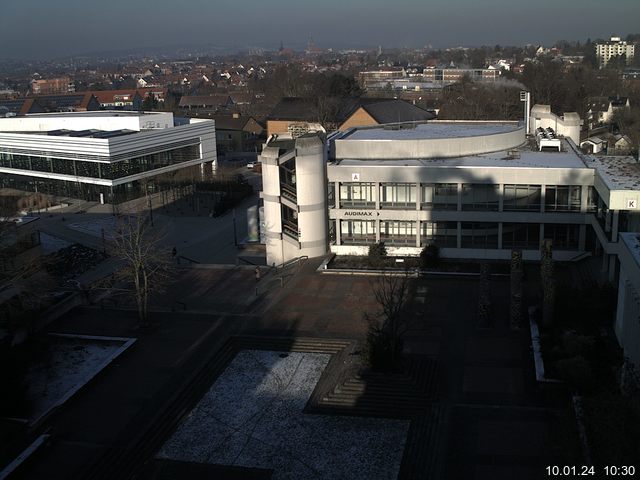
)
(422, 457)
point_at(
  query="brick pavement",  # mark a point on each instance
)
(491, 400)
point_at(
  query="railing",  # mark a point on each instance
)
(280, 274)
(290, 228)
(288, 192)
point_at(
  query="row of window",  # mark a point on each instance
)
(444, 196)
(482, 235)
(91, 192)
(108, 171)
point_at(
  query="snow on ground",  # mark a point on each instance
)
(95, 227)
(252, 417)
(69, 363)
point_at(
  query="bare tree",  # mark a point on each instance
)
(388, 328)
(147, 260)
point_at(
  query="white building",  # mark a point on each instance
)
(615, 47)
(477, 190)
(101, 156)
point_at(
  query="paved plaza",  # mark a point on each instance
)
(496, 421)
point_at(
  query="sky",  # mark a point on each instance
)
(60, 28)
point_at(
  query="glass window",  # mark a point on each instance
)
(398, 233)
(357, 195)
(562, 198)
(521, 235)
(442, 234)
(21, 162)
(87, 169)
(522, 197)
(41, 164)
(479, 235)
(357, 232)
(66, 167)
(563, 236)
(439, 196)
(480, 197)
(397, 195)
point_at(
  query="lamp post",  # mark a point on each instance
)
(150, 209)
(235, 233)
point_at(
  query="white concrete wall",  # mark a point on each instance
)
(627, 326)
(311, 196)
(272, 207)
(429, 147)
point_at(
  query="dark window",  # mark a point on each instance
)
(479, 235)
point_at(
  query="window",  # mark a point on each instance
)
(479, 235)
(563, 236)
(442, 234)
(439, 196)
(398, 233)
(357, 195)
(521, 235)
(522, 197)
(480, 197)
(397, 195)
(357, 232)
(562, 198)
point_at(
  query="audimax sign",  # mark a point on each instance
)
(358, 213)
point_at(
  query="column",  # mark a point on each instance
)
(614, 225)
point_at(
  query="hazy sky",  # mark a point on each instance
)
(52, 28)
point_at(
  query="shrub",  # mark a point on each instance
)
(377, 252)
(430, 256)
(577, 372)
(575, 344)
(379, 351)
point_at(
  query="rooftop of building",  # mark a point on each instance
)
(93, 113)
(430, 130)
(524, 157)
(617, 172)
(100, 124)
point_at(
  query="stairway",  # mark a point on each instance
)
(386, 395)
(423, 450)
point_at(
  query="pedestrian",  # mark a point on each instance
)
(257, 272)
(174, 252)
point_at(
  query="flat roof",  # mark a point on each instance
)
(617, 172)
(92, 113)
(522, 157)
(430, 130)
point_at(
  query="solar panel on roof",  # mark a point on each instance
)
(112, 134)
(83, 133)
